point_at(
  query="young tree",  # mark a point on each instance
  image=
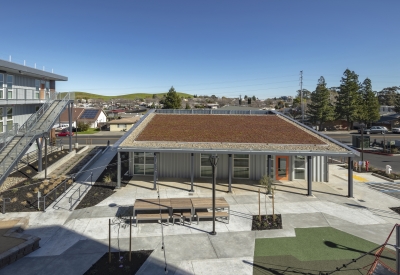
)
(347, 101)
(172, 100)
(369, 104)
(320, 109)
(187, 106)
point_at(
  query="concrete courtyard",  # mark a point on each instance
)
(71, 241)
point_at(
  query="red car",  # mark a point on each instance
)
(64, 133)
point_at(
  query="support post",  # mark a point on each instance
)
(119, 171)
(109, 240)
(350, 177)
(45, 156)
(230, 173)
(40, 156)
(269, 166)
(155, 172)
(214, 161)
(70, 106)
(309, 176)
(398, 248)
(191, 171)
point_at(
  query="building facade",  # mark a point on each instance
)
(249, 145)
(22, 91)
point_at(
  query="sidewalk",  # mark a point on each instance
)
(73, 241)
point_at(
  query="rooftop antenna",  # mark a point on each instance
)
(51, 70)
(10, 58)
(24, 63)
(35, 65)
(43, 68)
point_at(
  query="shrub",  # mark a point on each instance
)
(47, 190)
(37, 189)
(29, 195)
(83, 126)
(24, 203)
(41, 186)
(107, 178)
(15, 199)
(15, 190)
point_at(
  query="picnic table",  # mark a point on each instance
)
(206, 203)
(151, 204)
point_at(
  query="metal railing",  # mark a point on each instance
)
(43, 198)
(29, 133)
(5, 200)
(80, 192)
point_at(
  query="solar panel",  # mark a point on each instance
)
(89, 114)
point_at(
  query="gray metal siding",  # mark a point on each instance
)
(258, 166)
(319, 169)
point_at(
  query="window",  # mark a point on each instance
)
(272, 175)
(9, 118)
(10, 79)
(1, 86)
(241, 166)
(1, 120)
(9, 113)
(299, 167)
(205, 166)
(143, 163)
(121, 126)
(37, 88)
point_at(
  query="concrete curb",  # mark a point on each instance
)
(56, 165)
(382, 177)
(83, 150)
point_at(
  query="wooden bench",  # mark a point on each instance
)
(218, 214)
(152, 217)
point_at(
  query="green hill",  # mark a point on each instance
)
(79, 95)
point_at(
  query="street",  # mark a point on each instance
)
(378, 161)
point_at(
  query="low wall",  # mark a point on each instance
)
(53, 167)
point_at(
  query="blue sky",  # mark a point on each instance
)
(225, 47)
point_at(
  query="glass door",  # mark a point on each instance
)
(282, 168)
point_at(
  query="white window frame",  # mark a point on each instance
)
(2, 86)
(299, 168)
(1, 119)
(272, 166)
(205, 167)
(144, 165)
(10, 89)
(236, 156)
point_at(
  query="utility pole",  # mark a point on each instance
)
(301, 97)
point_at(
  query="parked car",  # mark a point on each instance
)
(64, 133)
(375, 130)
(396, 130)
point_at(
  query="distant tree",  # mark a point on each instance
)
(154, 96)
(388, 96)
(320, 109)
(397, 103)
(195, 96)
(82, 126)
(172, 100)
(245, 97)
(254, 98)
(187, 106)
(369, 103)
(153, 106)
(306, 94)
(347, 101)
(249, 100)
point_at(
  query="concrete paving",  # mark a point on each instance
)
(73, 240)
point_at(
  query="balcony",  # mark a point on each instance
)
(20, 96)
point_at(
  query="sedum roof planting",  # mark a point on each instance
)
(226, 132)
(225, 128)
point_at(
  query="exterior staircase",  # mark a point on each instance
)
(17, 141)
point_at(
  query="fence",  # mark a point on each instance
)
(80, 192)
(54, 192)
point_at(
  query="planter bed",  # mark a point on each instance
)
(106, 183)
(266, 222)
(120, 263)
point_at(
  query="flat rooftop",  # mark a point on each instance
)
(226, 132)
(225, 128)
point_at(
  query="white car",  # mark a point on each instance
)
(396, 130)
